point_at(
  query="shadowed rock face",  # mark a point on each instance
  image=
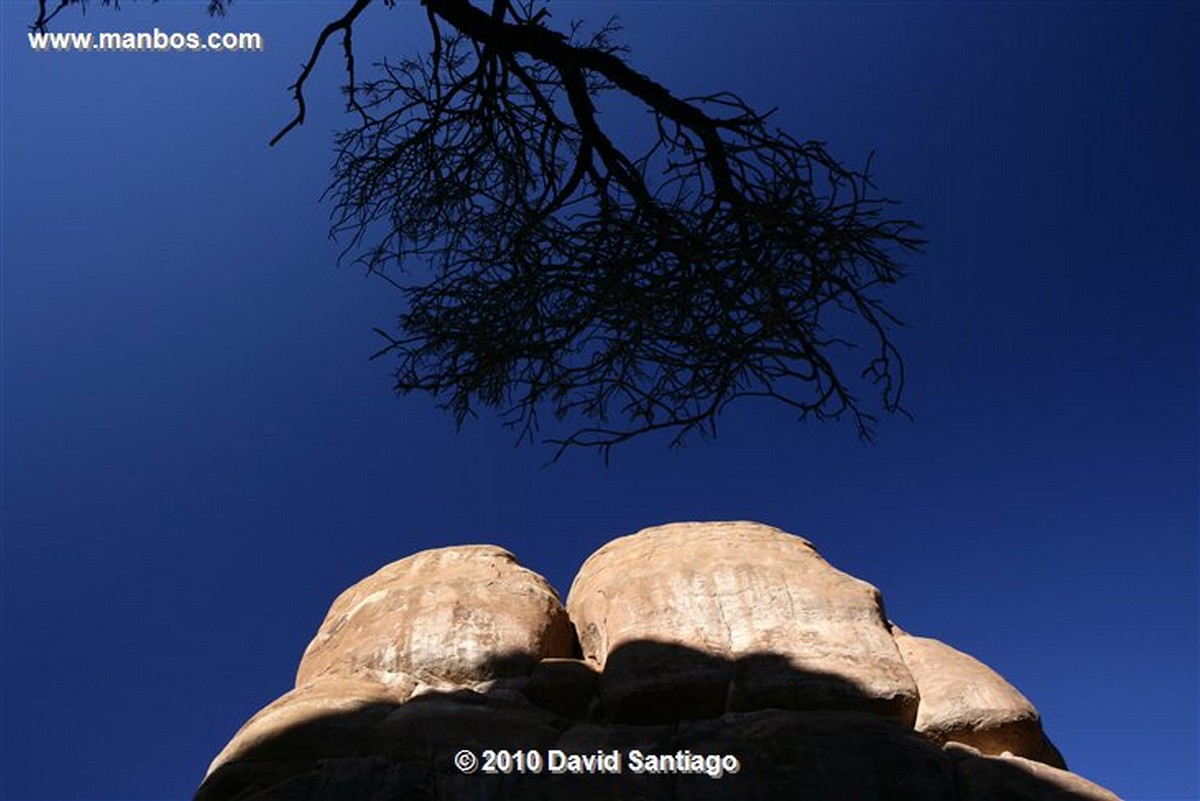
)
(695, 640)
(730, 590)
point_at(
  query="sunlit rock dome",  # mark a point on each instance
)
(691, 661)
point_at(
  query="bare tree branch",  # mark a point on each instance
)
(640, 292)
(345, 24)
(545, 265)
(216, 8)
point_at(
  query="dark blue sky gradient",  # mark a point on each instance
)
(197, 454)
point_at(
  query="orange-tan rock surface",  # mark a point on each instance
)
(441, 618)
(696, 639)
(804, 634)
(965, 701)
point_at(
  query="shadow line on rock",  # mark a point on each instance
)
(795, 733)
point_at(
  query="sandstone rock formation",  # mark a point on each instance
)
(965, 701)
(440, 618)
(734, 590)
(698, 643)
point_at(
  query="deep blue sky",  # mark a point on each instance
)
(197, 454)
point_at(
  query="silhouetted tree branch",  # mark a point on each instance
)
(545, 267)
(48, 11)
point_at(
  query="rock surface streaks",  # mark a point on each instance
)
(679, 646)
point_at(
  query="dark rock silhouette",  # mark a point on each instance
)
(715, 660)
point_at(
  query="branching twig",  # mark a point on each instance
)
(343, 24)
(636, 291)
